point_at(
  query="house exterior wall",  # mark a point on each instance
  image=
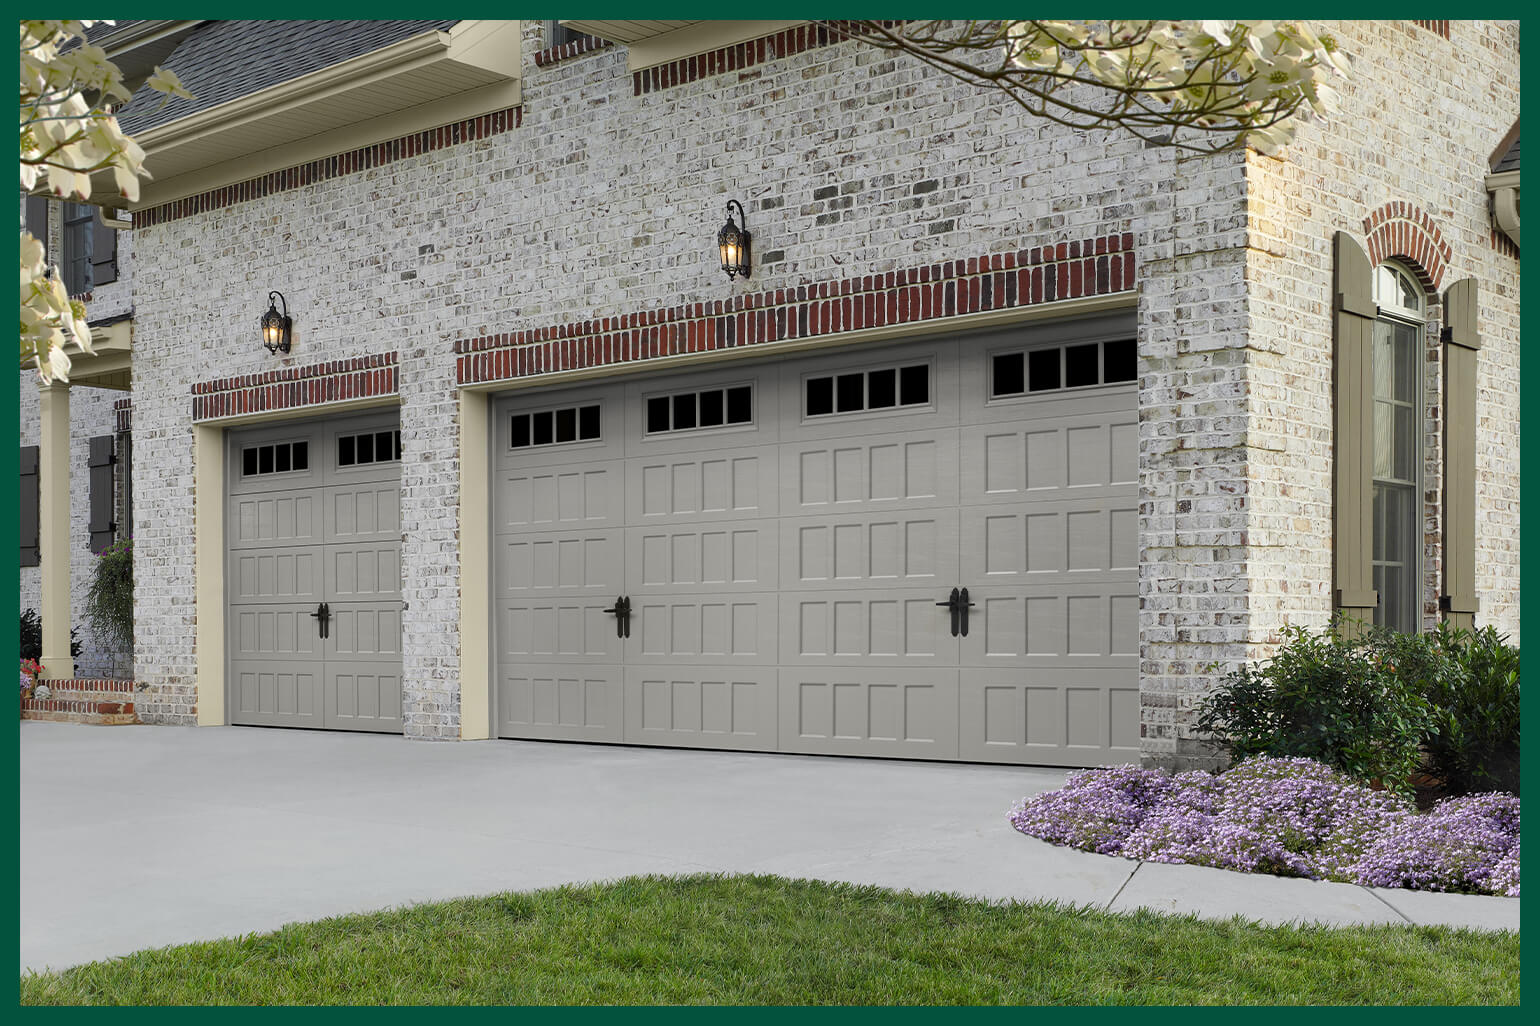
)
(604, 202)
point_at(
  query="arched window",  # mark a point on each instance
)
(1398, 355)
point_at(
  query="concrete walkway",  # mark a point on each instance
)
(135, 837)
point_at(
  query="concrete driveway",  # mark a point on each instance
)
(135, 837)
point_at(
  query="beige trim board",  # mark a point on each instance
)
(475, 567)
(303, 412)
(209, 571)
(886, 333)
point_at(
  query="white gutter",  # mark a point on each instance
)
(1504, 188)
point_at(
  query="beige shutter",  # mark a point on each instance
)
(1461, 344)
(1354, 597)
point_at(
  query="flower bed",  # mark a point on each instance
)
(1288, 817)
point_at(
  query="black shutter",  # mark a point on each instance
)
(104, 252)
(29, 555)
(101, 460)
(37, 218)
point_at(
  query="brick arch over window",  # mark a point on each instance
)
(1401, 231)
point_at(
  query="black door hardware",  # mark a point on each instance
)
(959, 605)
(622, 611)
(323, 619)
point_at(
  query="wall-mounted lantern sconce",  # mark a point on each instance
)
(276, 327)
(733, 241)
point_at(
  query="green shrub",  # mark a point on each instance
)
(1335, 699)
(110, 597)
(32, 636)
(1476, 747)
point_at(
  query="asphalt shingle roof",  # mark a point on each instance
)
(224, 60)
(1509, 160)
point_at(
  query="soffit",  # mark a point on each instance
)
(650, 43)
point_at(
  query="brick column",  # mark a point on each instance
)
(54, 528)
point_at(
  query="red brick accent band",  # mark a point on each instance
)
(123, 409)
(1439, 27)
(1069, 270)
(1406, 233)
(301, 175)
(741, 55)
(585, 44)
(293, 388)
(1503, 244)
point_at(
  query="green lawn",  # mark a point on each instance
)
(766, 940)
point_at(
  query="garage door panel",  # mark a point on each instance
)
(1057, 716)
(911, 471)
(275, 519)
(1086, 539)
(933, 408)
(900, 713)
(363, 695)
(708, 559)
(561, 702)
(1081, 624)
(537, 450)
(574, 562)
(692, 488)
(899, 548)
(740, 629)
(363, 512)
(858, 627)
(273, 575)
(361, 630)
(558, 630)
(274, 633)
(363, 571)
(1012, 462)
(278, 694)
(554, 498)
(733, 707)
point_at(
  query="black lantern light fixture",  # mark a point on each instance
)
(276, 327)
(733, 242)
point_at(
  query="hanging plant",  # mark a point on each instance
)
(110, 597)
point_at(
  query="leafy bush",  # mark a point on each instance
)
(110, 596)
(1287, 817)
(1476, 747)
(32, 636)
(1334, 699)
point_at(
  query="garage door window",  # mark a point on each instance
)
(859, 391)
(555, 427)
(279, 458)
(1059, 367)
(370, 447)
(707, 408)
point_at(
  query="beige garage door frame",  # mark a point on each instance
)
(1065, 412)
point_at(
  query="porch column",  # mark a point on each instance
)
(54, 528)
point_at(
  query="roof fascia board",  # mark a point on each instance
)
(494, 46)
(702, 37)
(362, 70)
(447, 111)
(143, 35)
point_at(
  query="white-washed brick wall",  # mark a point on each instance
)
(605, 203)
(91, 414)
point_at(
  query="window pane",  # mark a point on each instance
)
(850, 392)
(1384, 440)
(365, 445)
(588, 422)
(1120, 360)
(740, 407)
(520, 434)
(1080, 365)
(684, 411)
(711, 408)
(1406, 444)
(345, 451)
(1010, 374)
(1406, 363)
(657, 413)
(248, 461)
(820, 396)
(914, 385)
(541, 427)
(265, 460)
(301, 455)
(881, 389)
(384, 446)
(566, 424)
(1042, 370)
(281, 463)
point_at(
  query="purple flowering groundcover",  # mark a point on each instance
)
(1288, 817)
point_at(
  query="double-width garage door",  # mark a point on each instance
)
(765, 556)
(313, 574)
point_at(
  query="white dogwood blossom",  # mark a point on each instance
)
(68, 134)
(1208, 86)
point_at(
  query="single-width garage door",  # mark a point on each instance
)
(313, 575)
(765, 556)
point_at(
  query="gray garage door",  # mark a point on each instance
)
(314, 519)
(788, 535)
